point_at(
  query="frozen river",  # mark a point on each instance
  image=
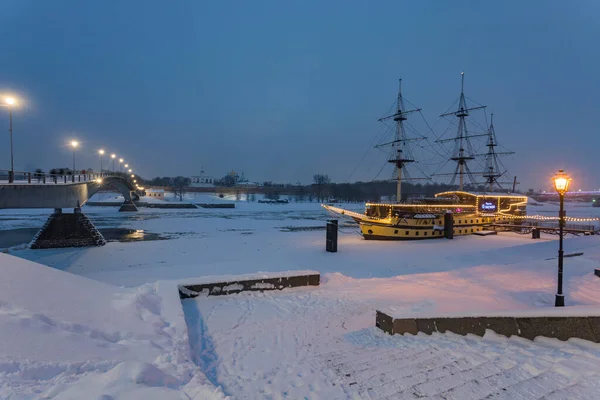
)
(133, 336)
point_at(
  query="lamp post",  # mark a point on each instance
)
(113, 156)
(101, 152)
(120, 165)
(10, 101)
(74, 145)
(561, 184)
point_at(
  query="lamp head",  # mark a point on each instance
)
(562, 182)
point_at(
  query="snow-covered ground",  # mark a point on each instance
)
(124, 333)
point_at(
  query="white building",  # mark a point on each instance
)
(202, 180)
(155, 193)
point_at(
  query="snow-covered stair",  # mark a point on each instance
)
(450, 366)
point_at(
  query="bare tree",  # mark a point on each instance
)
(179, 186)
(320, 180)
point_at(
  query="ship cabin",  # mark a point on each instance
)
(491, 202)
(458, 202)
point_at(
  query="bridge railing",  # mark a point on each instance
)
(20, 177)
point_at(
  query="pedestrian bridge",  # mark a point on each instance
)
(62, 194)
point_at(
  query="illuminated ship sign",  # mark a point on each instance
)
(488, 205)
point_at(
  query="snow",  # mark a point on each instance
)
(68, 335)
(317, 343)
(107, 322)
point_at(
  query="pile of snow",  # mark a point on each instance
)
(66, 336)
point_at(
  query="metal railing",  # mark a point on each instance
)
(20, 177)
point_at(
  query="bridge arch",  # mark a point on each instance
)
(122, 185)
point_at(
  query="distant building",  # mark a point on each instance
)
(202, 180)
(155, 193)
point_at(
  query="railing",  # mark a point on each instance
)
(20, 178)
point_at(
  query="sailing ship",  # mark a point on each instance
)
(417, 218)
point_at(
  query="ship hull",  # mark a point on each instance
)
(418, 229)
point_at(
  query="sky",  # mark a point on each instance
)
(284, 90)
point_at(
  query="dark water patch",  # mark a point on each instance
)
(17, 236)
(129, 235)
(23, 236)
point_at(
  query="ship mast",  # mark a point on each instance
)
(492, 165)
(402, 154)
(462, 151)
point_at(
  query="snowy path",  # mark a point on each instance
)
(312, 344)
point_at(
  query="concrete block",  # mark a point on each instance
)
(405, 325)
(460, 326)
(506, 326)
(561, 328)
(594, 323)
(426, 325)
(384, 322)
(236, 286)
(314, 280)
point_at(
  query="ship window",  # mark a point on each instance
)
(471, 230)
(407, 233)
(396, 231)
(460, 231)
(424, 233)
(417, 233)
(471, 221)
(460, 221)
(477, 220)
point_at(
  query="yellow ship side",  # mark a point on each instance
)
(415, 229)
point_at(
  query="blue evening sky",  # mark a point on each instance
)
(282, 90)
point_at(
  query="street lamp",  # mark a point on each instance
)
(133, 176)
(74, 145)
(120, 165)
(130, 170)
(126, 165)
(561, 185)
(113, 156)
(101, 152)
(10, 101)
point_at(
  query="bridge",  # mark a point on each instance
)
(583, 196)
(62, 191)
(38, 190)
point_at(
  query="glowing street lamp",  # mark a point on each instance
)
(113, 156)
(561, 185)
(10, 102)
(126, 165)
(101, 152)
(74, 145)
(133, 176)
(120, 164)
